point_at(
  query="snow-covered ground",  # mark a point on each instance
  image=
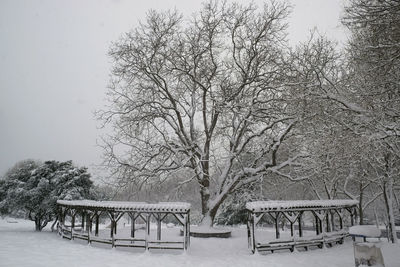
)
(20, 245)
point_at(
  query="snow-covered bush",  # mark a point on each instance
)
(33, 188)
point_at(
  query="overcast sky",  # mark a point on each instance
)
(54, 68)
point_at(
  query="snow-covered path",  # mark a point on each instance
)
(21, 246)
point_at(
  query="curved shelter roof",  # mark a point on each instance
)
(126, 206)
(296, 205)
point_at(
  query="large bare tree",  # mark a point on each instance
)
(206, 97)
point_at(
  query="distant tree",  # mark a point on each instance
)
(34, 189)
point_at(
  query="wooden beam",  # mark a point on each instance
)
(179, 217)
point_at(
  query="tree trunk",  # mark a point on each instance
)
(388, 197)
(205, 188)
(212, 206)
(54, 223)
(208, 219)
(205, 198)
(391, 212)
(38, 224)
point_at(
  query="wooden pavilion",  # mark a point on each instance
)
(89, 212)
(325, 212)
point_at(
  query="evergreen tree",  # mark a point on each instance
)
(34, 189)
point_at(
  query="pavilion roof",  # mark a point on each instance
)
(126, 206)
(288, 205)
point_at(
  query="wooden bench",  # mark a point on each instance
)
(338, 238)
(276, 245)
(306, 243)
(318, 241)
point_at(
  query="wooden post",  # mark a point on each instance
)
(72, 224)
(96, 231)
(147, 232)
(248, 230)
(185, 232)
(316, 224)
(188, 228)
(88, 222)
(300, 230)
(277, 234)
(112, 228)
(322, 222)
(355, 215)
(328, 229)
(72, 220)
(63, 216)
(291, 229)
(252, 229)
(91, 224)
(341, 222)
(321, 229)
(88, 226)
(111, 214)
(83, 220)
(159, 226)
(132, 216)
(351, 218)
(148, 224)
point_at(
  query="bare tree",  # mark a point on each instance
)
(205, 96)
(375, 61)
(363, 90)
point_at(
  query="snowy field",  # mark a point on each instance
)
(20, 245)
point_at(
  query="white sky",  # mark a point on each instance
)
(54, 68)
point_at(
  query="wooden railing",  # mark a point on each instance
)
(67, 232)
(327, 239)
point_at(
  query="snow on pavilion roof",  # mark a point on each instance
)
(127, 206)
(277, 205)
